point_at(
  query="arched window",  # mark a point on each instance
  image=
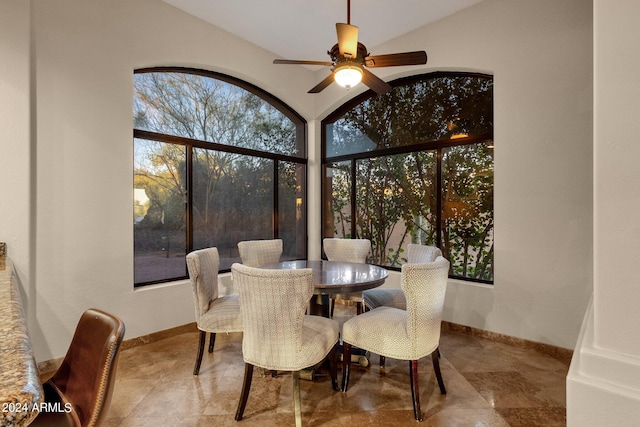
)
(415, 166)
(216, 161)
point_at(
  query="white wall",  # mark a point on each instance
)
(603, 385)
(617, 176)
(15, 138)
(85, 53)
(541, 58)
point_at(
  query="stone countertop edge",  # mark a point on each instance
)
(20, 388)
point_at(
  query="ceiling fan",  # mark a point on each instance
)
(350, 60)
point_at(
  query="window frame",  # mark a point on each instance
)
(189, 144)
(437, 145)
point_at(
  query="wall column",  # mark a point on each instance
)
(603, 385)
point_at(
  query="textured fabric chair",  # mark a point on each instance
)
(214, 313)
(416, 254)
(85, 379)
(404, 334)
(256, 253)
(278, 336)
(347, 250)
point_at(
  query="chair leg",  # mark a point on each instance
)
(382, 360)
(415, 389)
(332, 304)
(346, 366)
(435, 356)
(203, 338)
(246, 386)
(333, 366)
(296, 398)
(212, 341)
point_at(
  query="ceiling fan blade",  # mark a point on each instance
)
(395, 59)
(294, 61)
(347, 40)
(374, 82)
(323, 84)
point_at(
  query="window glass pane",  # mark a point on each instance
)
(337, 200)
(292, 222)
(207, 109)
(232, 201)
(416, 112)
(395, 201)
(345, 137)
(159, 211)
(467, 210)
(420, 190)
(379, 207)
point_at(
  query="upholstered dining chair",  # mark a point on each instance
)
(214, 313)
(404, 334)
(416, 254)
(256, 253)
(278, 336)
(347, 250)
(86, 376)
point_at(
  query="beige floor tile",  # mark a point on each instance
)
(488, 384)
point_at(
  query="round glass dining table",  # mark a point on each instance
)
(335, 277)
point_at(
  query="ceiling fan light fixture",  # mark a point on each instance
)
(348, 75)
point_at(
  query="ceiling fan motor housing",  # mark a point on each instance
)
(337, 58)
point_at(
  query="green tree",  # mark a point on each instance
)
(231, 193)
(396, 194)
(206, 109)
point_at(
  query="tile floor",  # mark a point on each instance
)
(488, 384)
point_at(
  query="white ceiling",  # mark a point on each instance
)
(305, 29)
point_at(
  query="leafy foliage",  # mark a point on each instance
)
(397, 195)
(231, 193)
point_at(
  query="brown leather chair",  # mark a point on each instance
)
(79, 392)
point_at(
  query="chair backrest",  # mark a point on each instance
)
(424, 286)
(272, 304)
(418, 254)
(88, 371)
(203, 266)
(347, 250)
(256, 253)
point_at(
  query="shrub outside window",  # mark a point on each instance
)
(415, 165)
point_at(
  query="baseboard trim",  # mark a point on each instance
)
(564, 355)
(48, 367)
(160, 335)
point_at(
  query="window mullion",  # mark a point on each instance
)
(189, 200)
(439, 241)
(353, 199)
(276, 200)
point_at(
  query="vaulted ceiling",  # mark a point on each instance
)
(305, 29)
